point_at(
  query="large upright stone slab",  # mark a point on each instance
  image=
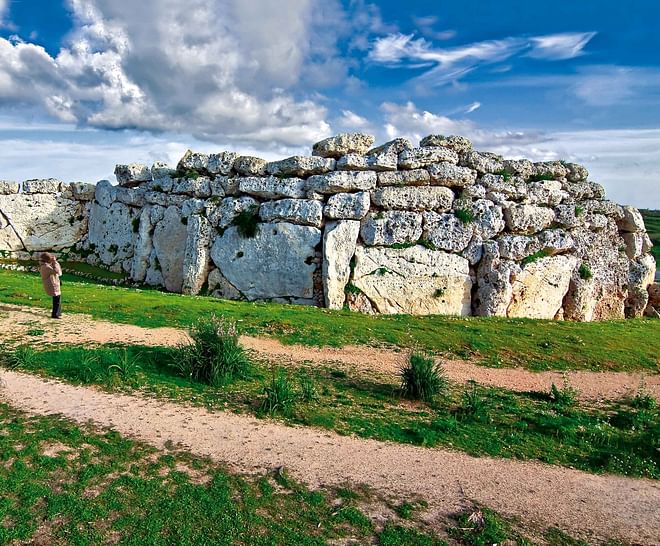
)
(339, 242)
(196, 258)
(413, 280)
(111, 232)
(170, 237)
(276, 263)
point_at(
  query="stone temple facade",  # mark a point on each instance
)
(435, 229)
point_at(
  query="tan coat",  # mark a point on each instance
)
(50, 276)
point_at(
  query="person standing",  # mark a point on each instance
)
(50, 275)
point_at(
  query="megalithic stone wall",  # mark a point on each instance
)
(435, 229)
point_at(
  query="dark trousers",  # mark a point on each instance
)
(57, 308)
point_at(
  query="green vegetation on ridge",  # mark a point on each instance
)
(652, 224)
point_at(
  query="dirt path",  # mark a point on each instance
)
(16, 321)
(580, 503)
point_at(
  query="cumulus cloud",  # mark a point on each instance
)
(450, 64)
(351, 120)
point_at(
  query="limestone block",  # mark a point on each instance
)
(555, 241)
(640, 277)
(273, 187)
(578, 190)
(196, 257)
(482, 162)
(457, 143)
(494, 282)
(8, 188)
(450, 175)
(49, 185)
(220, 287)
(339, 243)
(569, 216)
(300, 166)
(632, 221)
(191, 207)
(393, 147)
(199, 187)
(133, 174)
(217, 186)
(105, 193)
(391, 227)
(133, 197)
(423, 157)
(250, 166)
(223, 214)
(143, 246)
(446, 232)
(221, 163)
(488, 217)
(193, 161)
(546, 192)
(636, 244)
(414, 198)
(528, 218)
(554, 169)
(522, 168)
(162, 171)
(169, 240)
(576, 173)
(342, 144)
(514, 188)
(378, 162)
(517, 247)
(415, 177)
(342, 181)
(348, 206)
(606, 208)
(277, 262)
(82, 191)
(111, 232)
(297, 211)
(413, 280)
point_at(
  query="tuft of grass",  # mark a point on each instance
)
(213, 355)
(585, 271)
(506, 175)
(23, 357)
(473, 404)
(536, 256)
(541, 177)
(483, 527)
(464, 215)
(422, 378)
(35, 332)
(579, 211)
(308, 389)
(427, 244)
(280, 394)
(247, 222)
(350, 288)
(564, 397)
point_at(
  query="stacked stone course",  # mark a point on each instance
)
(436, 229)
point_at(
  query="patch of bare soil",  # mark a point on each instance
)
(585, 505)
(16, 321)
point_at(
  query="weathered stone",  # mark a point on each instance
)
(250, 166)
(482, 162)
(528, 218)
(222, 215)
(198, 187)
(523, 168)
(413, 280)
(578, 190)
(196, 256)
(448, 174)
(220, 287)
(545, 192)
(169, 240)
(423, 157)
(576, 173)
(353, 162)
(457, 143)
(273, 187)
(339, 242)
(392, 227)
(636, 244)
(554, 169)
(395, 147)
(82, 191)
(191, 207)
(277, 259)
(569, 216)
(605, 207)
(640, 277)
(193, 161)
(359, 303)
(475, 191)
(632, 221)
(539, 289)
(133, 197)
(487, 217)
(8, 188)
(379, 162)
(348, 206)
(133, 174)
(446, 232)
(597, 190)
(474, 251)
(111, 232)
(300, 166)
(143, 246)
(416, 177)
(342, 144)
(164, 199)
(414, 198)
(221, 163)
(514, 188)
(555, 241)
(217, 186)
(517, 247)
(298, 211)
(653, 306)
(343, 181)
(161, 170)
(50, 185)
(495, 276)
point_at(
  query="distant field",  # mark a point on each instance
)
(652, 221)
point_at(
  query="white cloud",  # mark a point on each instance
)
(351, 120)
(472, 107)
(560, 46)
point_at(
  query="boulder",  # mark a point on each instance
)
(276, 263)
(300, 166)
(393, 147)
(457, 143)
(297, 211)
(448, 174)
(446, 232)
(220, 287)
(223, 214)
(133, 197)
(539, 289)
(555, 241)
(514, 188)
(199, 186)
(551, 169)
(606, 208)
(111, 232)
(169, 240)
(193, 161)
(576, 173)
(221, 163)
(414, 198)
(196, 256)
(416, 177)
(528, 218)
(632, 221)
(342, 144)
(391, 227)
(82, 191)
(569, 216)
(545, 192)
(423, 157)
(161, 171)
(49, 185)
(191, 207)
(8, 188)
(105, 193)
(636, 244)
(133, 174)
(250, 166)
(653, 306)
(482, 162)
(413, 280)
(342, 181)
(348, 206)
(379, 162)
(487, 217)
(339, 243)
(522, 168)
(517, 247)
(273, 187)
(641, 275)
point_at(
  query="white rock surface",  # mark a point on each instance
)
(132, 174)
(414, 198)
(528, 218)
(446, 232)
(196, 257)
(457, 143)
(342, 144)
(339, 243)
(221, 163)
(422, 157)
(7, 187)
(111, 232)
(169, 240)
(391, 227)
(298, 211)
(48, 185)
(223, 214)
(632, 221)
(273, 187)
(415, 177)
(450, 175)
(348, 206)
(342, 181)
(250, 166)
(300, 166)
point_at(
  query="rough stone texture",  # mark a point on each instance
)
(488, 217)
(339, 243)
(196, 257)
(82, 191)
(223, 214)
(193, 161)
(199, 187)
(457, 143)
(555, 241)
(298, 211)
(416, 177)
(546, 192)
(539, 289)
(482, 162)
(161, 171)
(632, 220)
(220, 287)
(576, 173)
(641, 276)
(423, 157)
(395, 147)
(392, 227)
(636, 244)
(8, 188)
(221, 163)
(495, 276)
(143, 246)
(569, 216)
(653, 306)
(517, 247)
(348, 206)
(273, 187)
(301, 166)
(133, 197)
(555, 169)
(414, 198)
(528, 218)
(169, 240)
(49, 185)
(342, 181)
(604, 207)
(515, 188)
(342, 144)
(111, 232)
(523, 168)
(413, 280)
(446, 232)
(378, 162)
(132, 175)
(448, 174)
(277, 258)
(250, 166)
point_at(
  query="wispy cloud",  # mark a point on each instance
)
(472, 107)
(351, 120)
(558, 47)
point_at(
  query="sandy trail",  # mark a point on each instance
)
(16, 321)
(595, 507)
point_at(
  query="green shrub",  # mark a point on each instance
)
(308, 390)
(541, 177)
(464, 215)
(566, 397)
(350, 288)
(585, 271)
(422, 378)
(643, 399)
(473, 404)
(280, 394)
(427, 244)
(213, 355)
(536, 256)
(579, 211)
(123, 367)
(504, 174)
(247, 222)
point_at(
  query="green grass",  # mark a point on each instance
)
(533, 344)
(652, 223)
(616, 437)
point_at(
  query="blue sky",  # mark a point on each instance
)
(85, 84)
